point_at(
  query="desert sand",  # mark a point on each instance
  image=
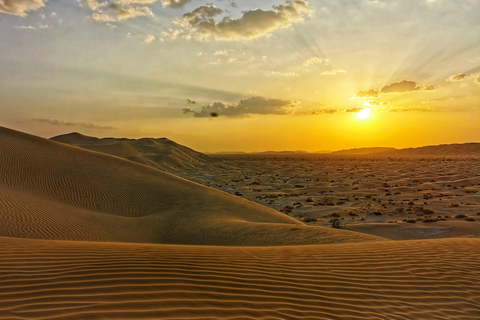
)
(89, 235)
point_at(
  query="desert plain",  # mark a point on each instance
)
(149, 229)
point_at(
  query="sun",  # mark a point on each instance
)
(364, 114)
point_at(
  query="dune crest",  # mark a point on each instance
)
(160, 153)
(50, 190)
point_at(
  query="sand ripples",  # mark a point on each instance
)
(438, 279)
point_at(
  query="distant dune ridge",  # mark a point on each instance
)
(50, 190)
(363, 151)
(443, 150)
(159, 153)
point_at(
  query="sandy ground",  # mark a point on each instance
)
(316, 189)
(420, 279)
(84, 235)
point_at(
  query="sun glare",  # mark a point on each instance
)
(364, 114)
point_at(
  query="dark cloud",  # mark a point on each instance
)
(20, 7)
(87, 125)
(406, 86)
(191, 101)
(252, 24)
(354, 109)
(246, 107)
(188, 110)
(323, 112)
(457, 77)
(462, 76)
(429, 87)
(368, 94)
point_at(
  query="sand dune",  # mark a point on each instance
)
(158, 153)
(140, 246)
(50, 190)
(429, 279)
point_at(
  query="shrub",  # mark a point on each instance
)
(428, 211)
(469, 219)
(336, 223)
(460, 216)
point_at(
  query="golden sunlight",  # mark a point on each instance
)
(364, 114)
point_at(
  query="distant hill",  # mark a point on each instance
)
(443, 150)
(283, 152)
(159, 153)
(363, 151)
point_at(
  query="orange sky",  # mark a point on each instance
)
(280, 75)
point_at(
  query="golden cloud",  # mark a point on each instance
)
(20, 7)
(253, 23)
(246, 107)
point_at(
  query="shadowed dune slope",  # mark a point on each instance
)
(50, 190)
(159, 153)
(388, 280)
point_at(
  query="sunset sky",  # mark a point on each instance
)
(279, 75)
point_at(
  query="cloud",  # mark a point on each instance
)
(137, 1)
(314, 61)
(333, 72)
(27, 27)
(132, 12)
(457, 77)
(20, 7)
(253, 23)
(174, 3)
(149, 38)
(246, 107)
(188, 110)
(463, 76)
(220, 53)
(94, 5)
(119, 10)
(323, 110)
(477, 78)
(191, 101)
(101, 17)
(375, 103)
(354, 109)
(86, 125)
(411, 110)
(368, 94)
(406, 86)
(30, 27)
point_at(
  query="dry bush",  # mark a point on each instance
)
(336, 223)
